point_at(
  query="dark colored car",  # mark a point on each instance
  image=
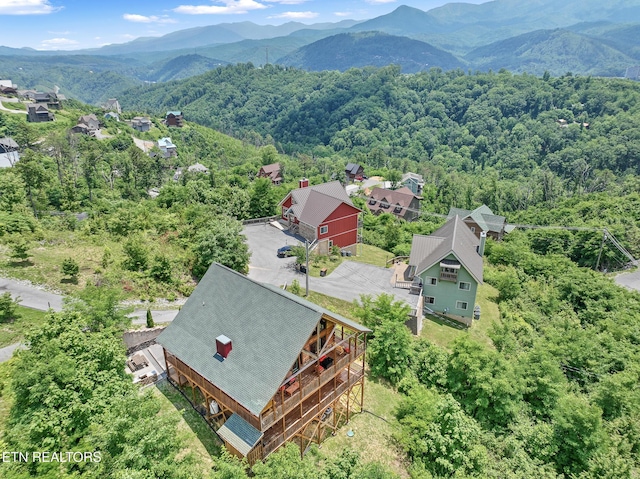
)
(284, 252)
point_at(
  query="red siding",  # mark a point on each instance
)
(285, 204)
(343, 226)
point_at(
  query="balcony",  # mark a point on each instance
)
(449, 277)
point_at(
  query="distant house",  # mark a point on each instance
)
(6, 83)
(8, 145)
(448, 264)
(322, 213)
(112, 115)
(167, 147)
(481, 220)
(112, 104)
(38, 112)
(141, 123)
(401, 203)
(27, 94)
(8, 91)
(263, 366)
(91, 121)
(414, 182)
(272, 171)
(353, 170)
(8, 152)
(174, 118)
(52, 100)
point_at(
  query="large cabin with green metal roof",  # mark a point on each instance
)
(263, 365)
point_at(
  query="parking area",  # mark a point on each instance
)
(348, 281)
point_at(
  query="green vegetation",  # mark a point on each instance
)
(24, 320)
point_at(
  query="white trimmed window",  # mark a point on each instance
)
(330, 244)
(473, 229)
(324, 230)
(431, 281)
(284, 212)
(464, 285)
(429, 300)
(462, 305)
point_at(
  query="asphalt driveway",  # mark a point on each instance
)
(348, 281)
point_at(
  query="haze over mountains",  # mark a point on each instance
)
(586, 37)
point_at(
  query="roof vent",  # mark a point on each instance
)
(223, 346)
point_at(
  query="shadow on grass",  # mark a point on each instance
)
(195, 421)
(20, 264)
(69, 280)
(450, 323)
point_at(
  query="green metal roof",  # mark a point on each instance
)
(240, 434)
(267, 326)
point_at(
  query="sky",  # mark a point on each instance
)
(76, 24)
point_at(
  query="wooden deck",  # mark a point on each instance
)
(310, 408)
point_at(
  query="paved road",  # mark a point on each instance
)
(629, 280)
(348, 281)
(31, 296)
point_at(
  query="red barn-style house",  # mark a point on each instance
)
(322, 213)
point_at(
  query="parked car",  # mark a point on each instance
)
(284, 252)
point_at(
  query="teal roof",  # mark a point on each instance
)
(240, 434)
(268, 328)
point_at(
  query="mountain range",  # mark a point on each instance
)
(586, 37)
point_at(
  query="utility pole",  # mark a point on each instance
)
(306, 246)
(604, 238)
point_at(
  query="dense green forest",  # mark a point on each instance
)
(553, 392)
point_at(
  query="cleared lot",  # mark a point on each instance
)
(348, 281)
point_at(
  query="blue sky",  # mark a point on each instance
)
(74, 24)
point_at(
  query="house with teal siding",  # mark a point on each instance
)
(448, 264)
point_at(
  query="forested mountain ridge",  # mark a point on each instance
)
(555, 51)
(349, 50)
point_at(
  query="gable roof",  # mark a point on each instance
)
(174, 113)
(268, 328)
(482, 216)
(402, 196)
(352, 168)
(8, 142)
(313, 204)
(413, 176)
(165, 143)
(240, 434)
(454, 237)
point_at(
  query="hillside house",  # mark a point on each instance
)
(38, 112)
(272, 171)
(448, 264)
(481, 220)
(141, 123)
(174, 118)
(322, 213)
(87, 124)
(262, 365)
(112, 115)
(414, 182)
(8, 145)
(167, 147)
(402, 203)
(112, 104)
(8, 152)
(8, 90)
(52, 100)
(352, 171)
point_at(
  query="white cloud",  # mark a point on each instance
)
(342, 14)
(132, 17)
(58, 42)
(26, 7)
(378, 2)
(228, 7)
(287, 2)
(295, 15)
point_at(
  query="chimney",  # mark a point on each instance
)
(303, 183)
(223, 346)
(483, 240)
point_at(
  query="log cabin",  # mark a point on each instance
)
(263, 366)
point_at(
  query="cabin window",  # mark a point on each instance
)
(397, 209)
(448, 274)
(372, 201)
(462, 305)
(473, 229)
(324, 230)
(465, 286)
(429, 300)
(284, 212)
(432, 281)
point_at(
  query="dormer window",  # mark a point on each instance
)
(384, 204)
(372, 201)
(397, 209)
